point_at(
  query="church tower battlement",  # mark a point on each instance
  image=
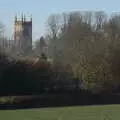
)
(23, 33)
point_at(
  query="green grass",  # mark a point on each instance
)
(107, 112)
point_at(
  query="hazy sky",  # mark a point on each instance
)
(41, 9)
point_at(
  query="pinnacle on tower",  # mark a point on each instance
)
(22, 17)
(31, 18)
(15, 17)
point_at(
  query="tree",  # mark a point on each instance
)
(53, 24)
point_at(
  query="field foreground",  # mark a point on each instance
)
(104, 112)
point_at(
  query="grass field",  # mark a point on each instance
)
(107, 112)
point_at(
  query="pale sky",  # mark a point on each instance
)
(41, 9)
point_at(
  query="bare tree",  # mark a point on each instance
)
(53, 24)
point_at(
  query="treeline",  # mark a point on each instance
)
(89, 43)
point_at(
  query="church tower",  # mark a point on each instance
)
(23, 34)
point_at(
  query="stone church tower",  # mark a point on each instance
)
(23, 34)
